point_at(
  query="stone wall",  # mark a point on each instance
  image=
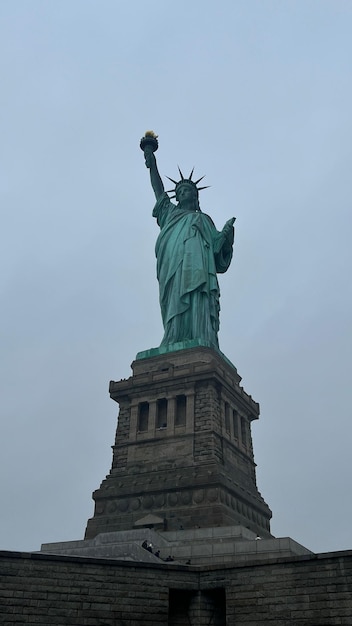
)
(47, 590)
(303, 591)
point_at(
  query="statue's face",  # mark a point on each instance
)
(187, 197)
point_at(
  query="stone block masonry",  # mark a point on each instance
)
(183, 448)
(46, 590)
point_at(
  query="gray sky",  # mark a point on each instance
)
(257, 94)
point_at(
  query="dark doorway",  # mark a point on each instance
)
(195, 608)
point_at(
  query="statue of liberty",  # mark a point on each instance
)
(190, 252)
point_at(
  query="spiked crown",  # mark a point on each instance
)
(185, 181)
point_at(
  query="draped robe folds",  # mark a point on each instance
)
(190, 252)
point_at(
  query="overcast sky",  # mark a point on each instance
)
(257, 94)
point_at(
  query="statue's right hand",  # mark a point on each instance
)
(149, 158)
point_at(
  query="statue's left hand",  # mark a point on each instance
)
(228, 230)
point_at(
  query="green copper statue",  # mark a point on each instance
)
(190, 252)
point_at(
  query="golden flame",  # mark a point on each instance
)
(150, 133)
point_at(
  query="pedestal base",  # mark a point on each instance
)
(183, 449)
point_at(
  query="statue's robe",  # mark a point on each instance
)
(190, 252)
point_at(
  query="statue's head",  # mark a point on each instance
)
(186, 192)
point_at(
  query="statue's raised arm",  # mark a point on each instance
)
(190, 253)
(149, 145)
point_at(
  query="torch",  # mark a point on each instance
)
(149, 143)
